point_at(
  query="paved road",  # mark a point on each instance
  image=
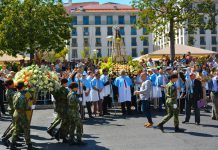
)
(116, 133)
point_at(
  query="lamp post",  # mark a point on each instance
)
(109, 39)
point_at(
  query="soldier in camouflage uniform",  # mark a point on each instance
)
(20, 117)
(171, 104)
(74, 116)
(9, 96)
(61, 109)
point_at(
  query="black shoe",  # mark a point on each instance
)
(5, 142)
(81, 143)
(178, 130)
(91, 116)
(72, 142)
(29, 147)
(13, 147)
(160, 126)
(57, 136)
(213, 118)
(50, 132)
(18, 144)
(65, 140)
(185, 122)
(197, 123)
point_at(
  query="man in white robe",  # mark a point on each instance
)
(123, 83)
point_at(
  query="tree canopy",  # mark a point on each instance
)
(30, 25)
(165, 17)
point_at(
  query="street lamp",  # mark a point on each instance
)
(109, 39)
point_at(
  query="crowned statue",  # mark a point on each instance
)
(118, 47)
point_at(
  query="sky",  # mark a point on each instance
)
(102, 1)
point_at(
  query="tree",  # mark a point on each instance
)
(158, 15)
(85, 53)
(32, 26)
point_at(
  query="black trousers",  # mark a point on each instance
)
(125, 105)
(106, 104)
(89, 109)
(192, 102)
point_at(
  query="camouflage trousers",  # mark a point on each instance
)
(76, 126)
(56, 122)
(171, 112)
(21, 126)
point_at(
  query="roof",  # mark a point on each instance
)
(11, 58)
(183, 49)
(97, 7)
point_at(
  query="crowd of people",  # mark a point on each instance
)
(177, 87)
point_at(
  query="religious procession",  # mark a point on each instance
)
(98, 88)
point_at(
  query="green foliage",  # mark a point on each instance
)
(163, 17)
(33, 24)
(85, 53)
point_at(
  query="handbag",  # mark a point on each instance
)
(201, 103)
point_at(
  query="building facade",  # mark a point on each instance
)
(93, 27)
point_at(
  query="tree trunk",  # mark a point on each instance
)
(172, 41)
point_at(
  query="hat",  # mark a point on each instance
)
(169, 68)
(192, 73)
(84, 73)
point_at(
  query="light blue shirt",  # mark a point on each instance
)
(97, 83)
(120, 80)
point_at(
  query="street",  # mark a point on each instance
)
(116, 133)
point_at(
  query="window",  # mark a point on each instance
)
(74, 22)
(74, 53)
(213, 40)
(97, 31)
(202, 31)
(134, 52)
(97, 20)
(109, 31)
(214, 49)
(145, 42)
(99, 53)
(109, 19)
(86, 31)
(213, 31)
(98, 42)
(132, 19)
(133, 31)
(122, 31)
(86, 20)
(202, 40)
(74, 42)
(145, 32)
(145, 50)
(74, 32)
(121, 20)
(134, 43)
(86, 42)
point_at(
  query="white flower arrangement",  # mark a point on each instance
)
(38, 78)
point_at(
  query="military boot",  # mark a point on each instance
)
(13, 147)
(5, 142)
(160, 126)
(65, 140)
(50, 132)
(81, 143)
(57, 135)
(177, 129)
(29, 147)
